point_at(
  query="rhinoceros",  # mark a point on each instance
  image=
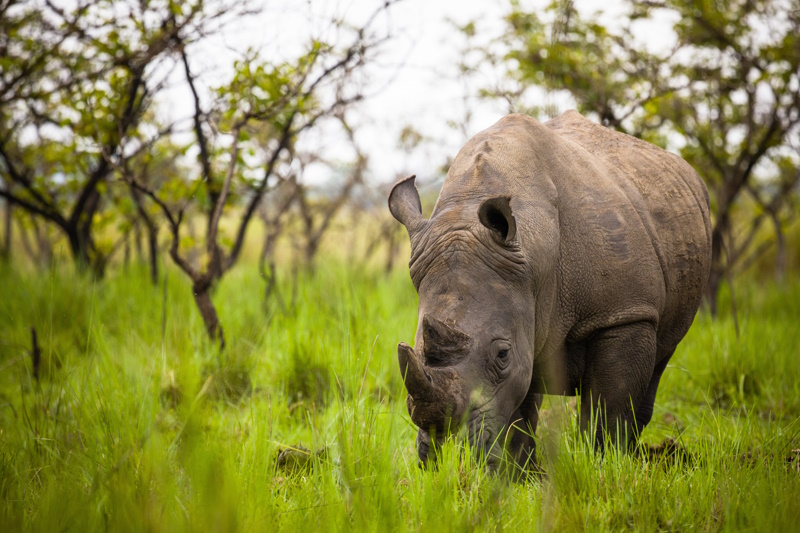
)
(560, 258)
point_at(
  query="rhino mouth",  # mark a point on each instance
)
(437, 401)
(484, 440)
(484, 435)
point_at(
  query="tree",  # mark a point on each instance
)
(726, 96)
(316, 207)
(75, 84)
(244, 136)
(151, 168)
(274, 211)
(317, 211)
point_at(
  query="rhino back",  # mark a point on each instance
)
(614, 229)
(670, 200)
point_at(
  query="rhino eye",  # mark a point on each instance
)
(502, 359)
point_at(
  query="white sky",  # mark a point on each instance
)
(417, 74)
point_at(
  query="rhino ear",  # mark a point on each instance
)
(495, 214)
(405, 205)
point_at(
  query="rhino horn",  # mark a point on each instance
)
(418, 383)
(434, 395)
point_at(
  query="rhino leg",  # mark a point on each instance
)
(425, 449)
(620, 367)
(645, 411)
(522, 445)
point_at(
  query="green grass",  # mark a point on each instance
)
(137, 423)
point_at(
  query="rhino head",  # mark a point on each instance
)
(471, 364)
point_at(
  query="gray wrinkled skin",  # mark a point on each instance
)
(561, 257)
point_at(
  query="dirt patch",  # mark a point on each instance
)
(297, 458)
(791, 459)
(669, 452)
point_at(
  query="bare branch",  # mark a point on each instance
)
(211, 239)
(202, 142)
(247, 215)
(43, 207)
(173, 221)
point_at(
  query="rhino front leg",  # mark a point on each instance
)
(425, 449)
(620, 366)
(522, 428)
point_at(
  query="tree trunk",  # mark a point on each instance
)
(266, 266)
(353, 244)
(310, 252)
(96, 261)
(137, 240)
(718, 264)
(126, 251)
(79, 253)
(99, 265)
(43, 245)
(7, 236)
(780, 254)
(712, 291)
(152, 241)
(25, 240)
(152, 235)
(202, 298)
(79, 239)
(392, 250)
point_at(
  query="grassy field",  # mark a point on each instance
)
(137, 423)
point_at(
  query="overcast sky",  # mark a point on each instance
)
(415, 82)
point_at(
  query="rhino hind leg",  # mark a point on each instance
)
(645, 411)
(617, 381)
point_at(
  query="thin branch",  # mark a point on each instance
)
(211, 242)
(45, 208)
(247, 215)
(103, 167)
(32, 208)
(173, 221)
(202, 142)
